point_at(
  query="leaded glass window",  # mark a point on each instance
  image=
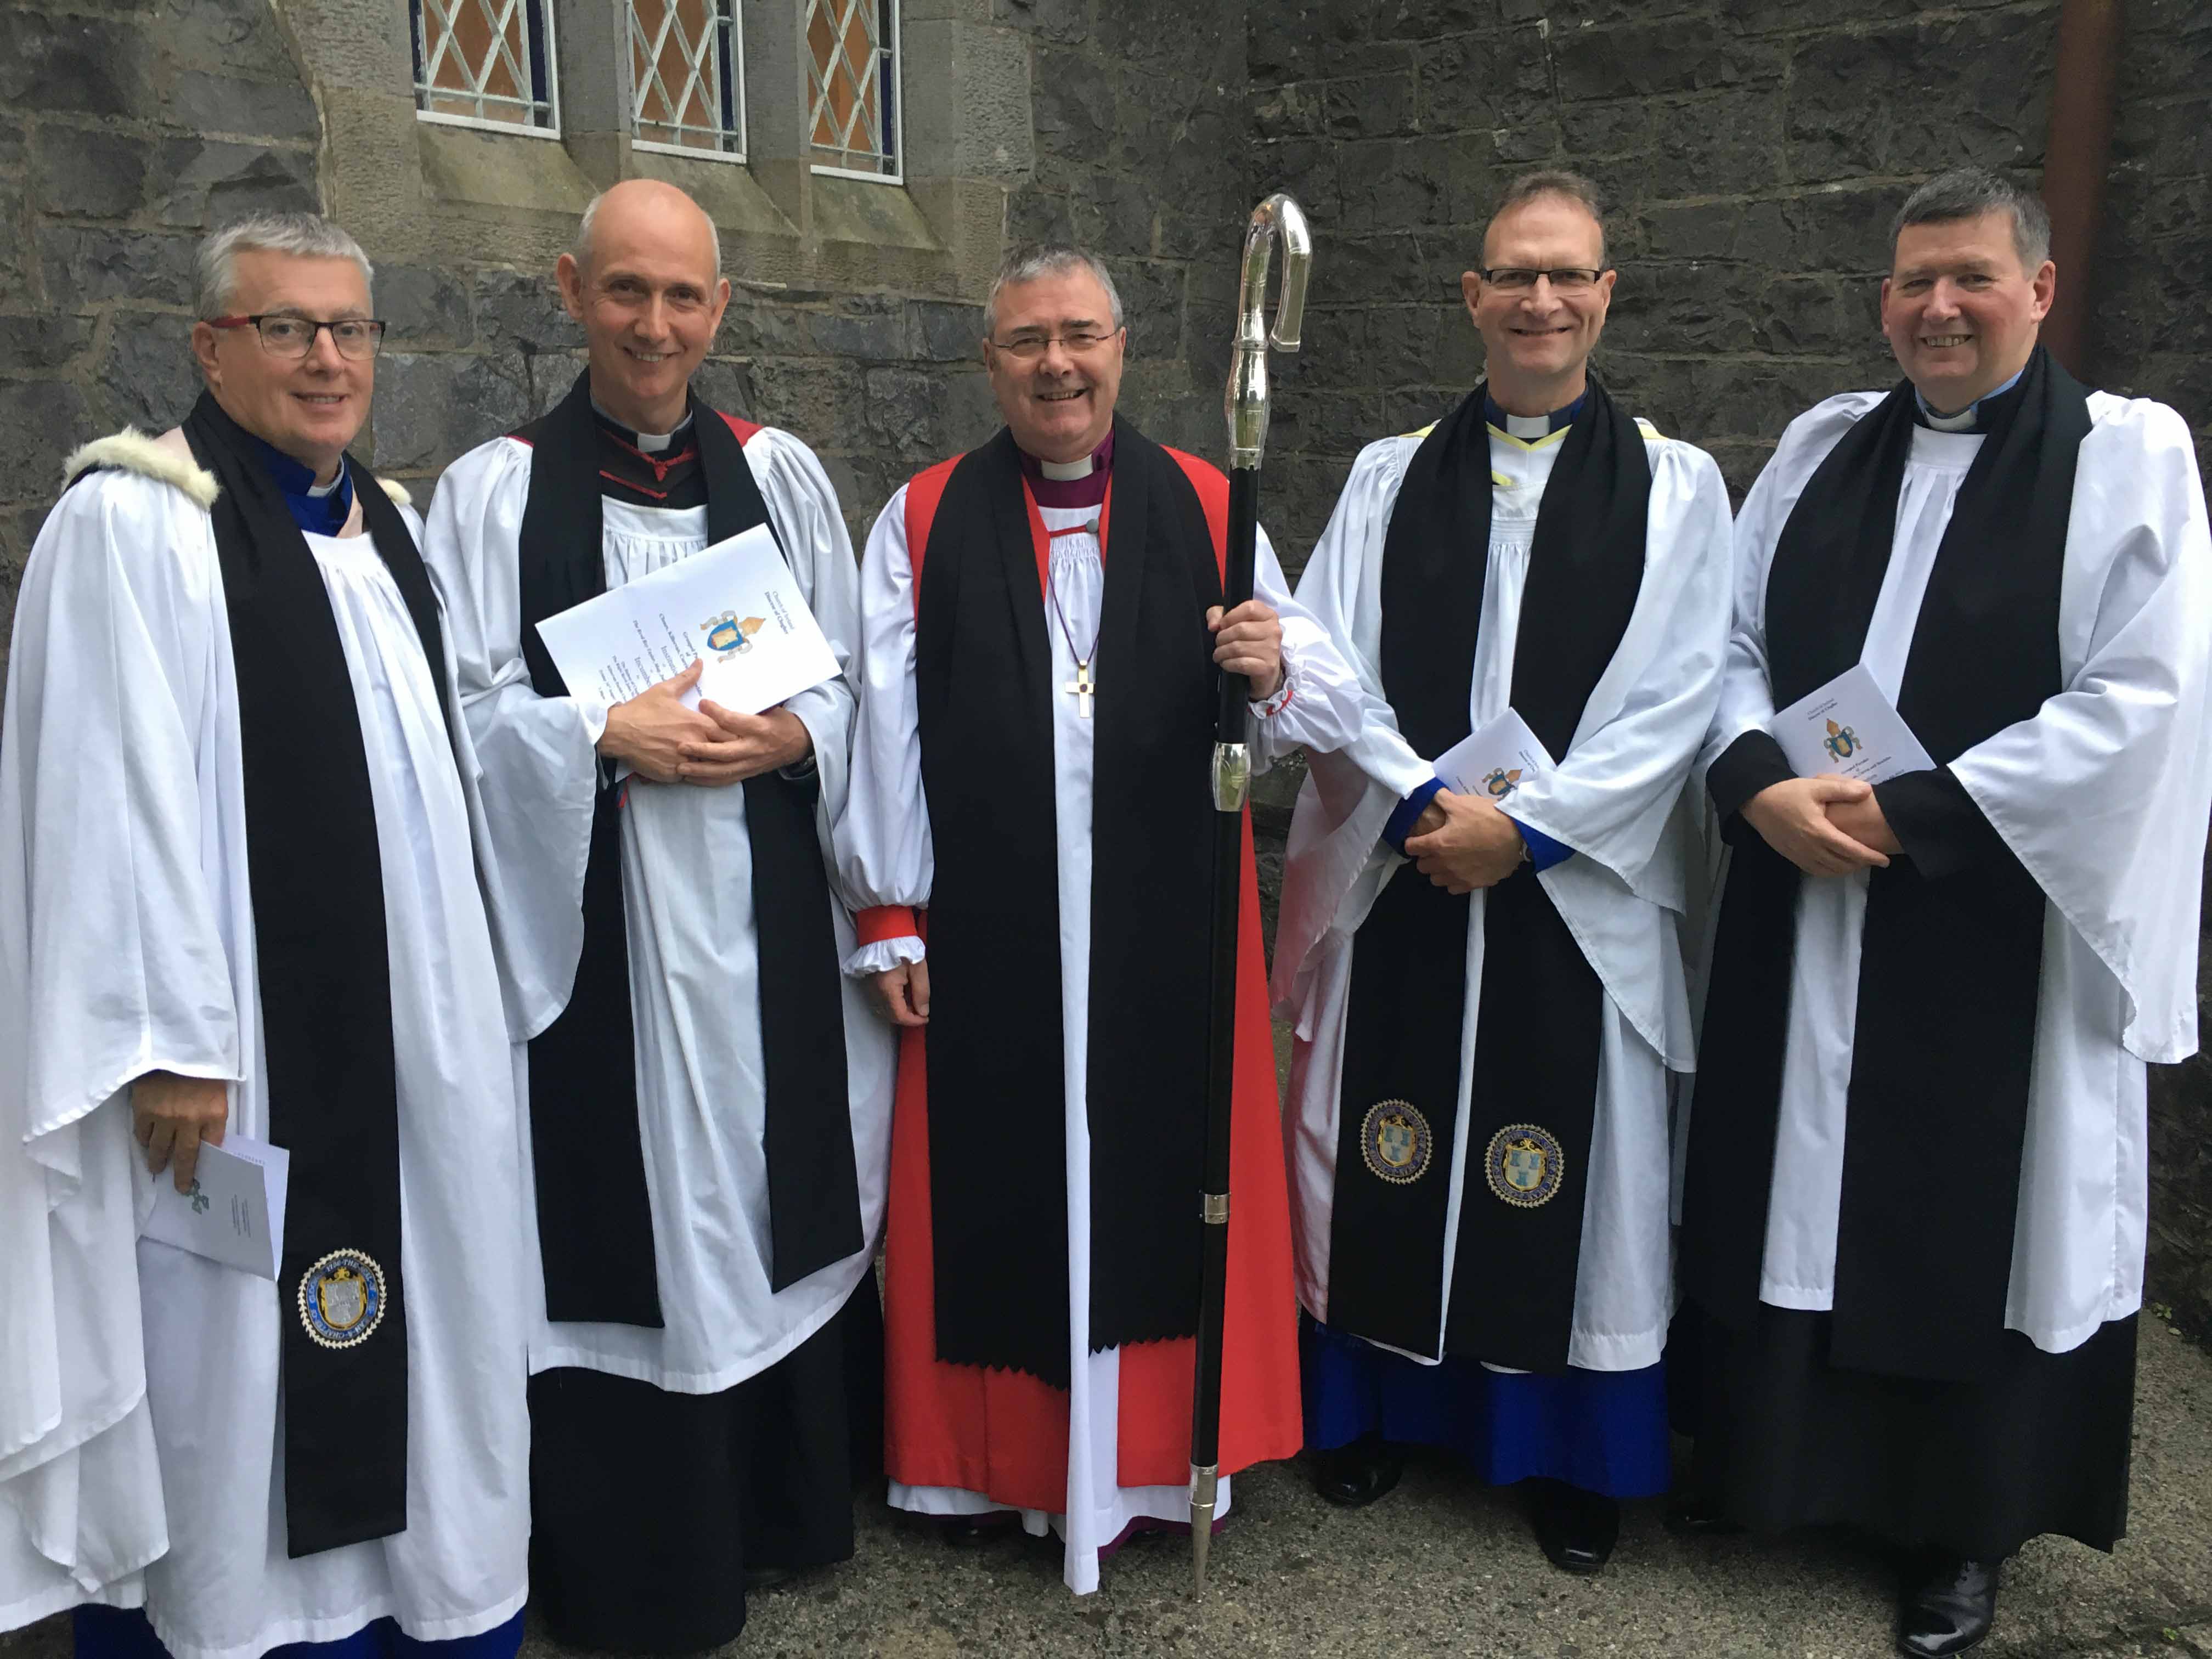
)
(853, 65)
(485, 62)
(688, 77)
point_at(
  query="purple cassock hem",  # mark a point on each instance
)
(113, 1633)
(1605, 1431)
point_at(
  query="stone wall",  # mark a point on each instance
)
(855, 323)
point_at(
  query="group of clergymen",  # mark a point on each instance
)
(608, 1043)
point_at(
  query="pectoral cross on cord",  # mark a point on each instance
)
(1082, 688)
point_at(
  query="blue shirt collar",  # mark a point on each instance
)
(1559, 417)
(1959, 422)
(319, 514)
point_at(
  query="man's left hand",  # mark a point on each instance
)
(1248, 640)
(1478, 846)
(751, 744)
(1863, 822)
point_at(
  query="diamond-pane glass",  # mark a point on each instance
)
(485, 60)
(853, 63)
(687, 72)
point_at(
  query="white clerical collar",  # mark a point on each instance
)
(1965, 419)
(1529, 426)
(1061, 471)
(651, 442)
(316, 492)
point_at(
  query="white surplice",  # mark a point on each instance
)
(1615, 800)
(141, 1444)
(687, 896)
(889, 861)
(2103, 796)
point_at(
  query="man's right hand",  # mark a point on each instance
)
(904, 992)
(1792, 817)
(171, 1116)
(648, 732)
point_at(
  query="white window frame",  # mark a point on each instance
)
(897, 124)
(418, 25)
(662, 147)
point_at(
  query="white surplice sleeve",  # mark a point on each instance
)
(2104, 794)
(536, 763)
(886, 862)
(1746, 694)
(1334, 859)
(1612, 797)
(803, 502)
(117, 773)
(1322, 706)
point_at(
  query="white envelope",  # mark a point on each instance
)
(1495, 761)
(735, 603)
(1849, 728)
(234, 1212)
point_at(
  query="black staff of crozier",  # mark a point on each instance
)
(1245, 402)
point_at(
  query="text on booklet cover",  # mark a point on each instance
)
(1849, 728)
(233, 1211)
(735, 606)
(1495, 761)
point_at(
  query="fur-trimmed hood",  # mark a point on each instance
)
(168, 459)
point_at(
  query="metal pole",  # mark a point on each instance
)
(1245, 402)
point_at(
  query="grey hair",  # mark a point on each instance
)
(1968, 193)
(303, 235)
(1551, 182)
(1027, 264)
(580, 250)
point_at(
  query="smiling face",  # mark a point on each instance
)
(1537, 340)
(1960, 309)
(309, 407)
(650, 300)
(1059, 404)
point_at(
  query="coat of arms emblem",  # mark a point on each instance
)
(1395, 1142)
(342, 1299)
(1841, 742)
(1501, 782)
(1525, 1165)
(728, 635)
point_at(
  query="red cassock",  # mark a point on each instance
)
(1005, 1433)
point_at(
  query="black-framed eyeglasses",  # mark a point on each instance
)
(1026, 347)
(1568, 279)
(283, 335)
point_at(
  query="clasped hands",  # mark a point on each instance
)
(1463, 842)
(661, 741)
(1825, 826)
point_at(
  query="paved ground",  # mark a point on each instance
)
(1443, 1567)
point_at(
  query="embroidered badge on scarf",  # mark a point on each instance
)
(1525, 1165)
(1395, 1140)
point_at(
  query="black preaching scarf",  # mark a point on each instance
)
(595, 1217)
(1938, 1107)
(325, 969)
(997, 1105)
(1534, 1093)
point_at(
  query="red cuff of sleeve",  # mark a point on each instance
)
(881, 922)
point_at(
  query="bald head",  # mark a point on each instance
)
(645, 280)
(650, 209)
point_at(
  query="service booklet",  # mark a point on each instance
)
(736, 605)
(235, 1210)
(1849, 728)
(1495, 761)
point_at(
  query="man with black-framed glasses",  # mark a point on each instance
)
(239, 905)
(1479, 1082)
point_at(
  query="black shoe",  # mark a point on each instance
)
(967, 1531)
(1688, 1518)
(1577, 1529)
(1357, 1474)
(1949, 1608)
(766, 1578)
